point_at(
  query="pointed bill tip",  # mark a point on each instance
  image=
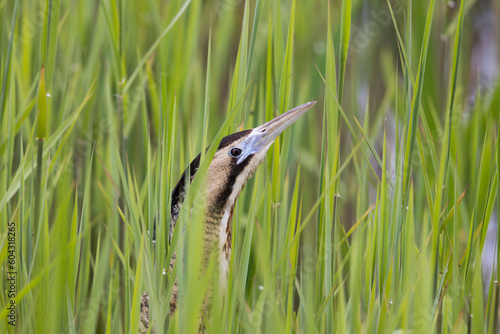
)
(303, 107)
(265, 134)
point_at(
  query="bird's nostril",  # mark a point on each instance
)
(263, 130)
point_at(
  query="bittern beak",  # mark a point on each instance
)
(263, 136)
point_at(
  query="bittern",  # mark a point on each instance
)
(234, 162)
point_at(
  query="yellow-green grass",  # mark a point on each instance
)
(368, 215)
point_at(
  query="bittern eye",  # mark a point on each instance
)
(235, 152)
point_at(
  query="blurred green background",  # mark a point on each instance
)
(351, 223)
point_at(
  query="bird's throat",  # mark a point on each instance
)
(225, 238)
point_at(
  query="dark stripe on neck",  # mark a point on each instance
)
(236, 169)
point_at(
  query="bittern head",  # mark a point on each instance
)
(239, 155)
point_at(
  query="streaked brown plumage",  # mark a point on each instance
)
(235, 160)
